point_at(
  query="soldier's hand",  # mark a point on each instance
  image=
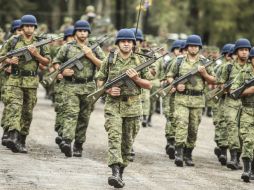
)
(68, 72)
(133, 74)
(172, 90)
(33, 50)
(180, 87)
(202, 70)
(13, 60)
(8, 69)
(88, 52)
(114, 91)
(59, 76)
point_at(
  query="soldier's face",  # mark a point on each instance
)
(18, 31)
(177, 51)
(81, 35)
(28, 29)
(252, 61)
(125, 45)
(243, 53)
(193, 50)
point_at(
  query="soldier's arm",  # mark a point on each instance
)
(90, 55)
(44, 58)
(102, 74)
(208, 74)
(142, 83)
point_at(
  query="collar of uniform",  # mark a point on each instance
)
(238, 66)
(22, 38)
(75, 43)
(197, 59)
(132, 56)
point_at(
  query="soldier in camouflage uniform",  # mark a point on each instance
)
(246, 114)
(219, 121)
(21, 86)
(59, 91)
(77, 85)
(123, 106)
(169, 106)
(15, 30)
(189, 99)
(230, 107)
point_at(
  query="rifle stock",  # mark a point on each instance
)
(237, 93)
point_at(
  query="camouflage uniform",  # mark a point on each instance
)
(189, 107)
(246, 123)
(21, 87)
(76, 88)
(122, 114)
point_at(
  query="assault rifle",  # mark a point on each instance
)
(24, 51)
(183, 79)
(237, 92)
(218, 91)
(120, 80)
(73, 62)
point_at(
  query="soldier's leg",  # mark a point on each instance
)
(247, 134)
(71, 113)
(83, 120)
(29, 101)
(145, 106)
(113, 126)
(233, 137)
(194, 121)
(182, 123)
(13, 102)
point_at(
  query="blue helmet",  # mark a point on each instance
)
(226, 48)
(251, 52)
(82, 25)
(68, 32)
(183, 45)
(176, 44)
(15, 25)
(231, 51)
(242, 43)
(125, 34)
(194, 40)
(29, 20)
(139, 35)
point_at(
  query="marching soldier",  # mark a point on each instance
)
(77, 85)
(189, 99)
(246, 113)
(15, 30)
(123, 106)
(20, 88)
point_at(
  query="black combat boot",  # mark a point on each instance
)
(5, 137)
(238, 161)
(13, 141)
(217, 151)
(22, 144)
(121, 170)
(149, 120)
(209, 112)
(131, 156)
(223, 156)
(246, 170)
(232, 164)
(77, 149)
(179, 156)
(170, 148)
(58, 140)
(115, 180)
(252, 170)
(144, 121)
(188, 157)
(66, 147)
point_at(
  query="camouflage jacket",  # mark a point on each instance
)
(68, 51)
(128, 104)
(23, 81)
(196, 83)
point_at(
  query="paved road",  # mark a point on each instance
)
(45, 168)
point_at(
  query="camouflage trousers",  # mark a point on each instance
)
(187, 122)
(76, 115)
(247, 132)
(59, 107)
(18, 112)
(121, 135)
(170, 119)
(221, 132)
(216, 120)
(232, 129)
(146, 101)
